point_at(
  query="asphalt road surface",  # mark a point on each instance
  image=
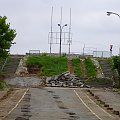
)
(58, 104)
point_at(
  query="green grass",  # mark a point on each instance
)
(76, 64)
(49, 65)
(110, 61)
(3, 85)
(91, 70)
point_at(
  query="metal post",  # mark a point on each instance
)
(61, 36)
(51, 37)
(60, 40)
(83, 49)
(119, 51)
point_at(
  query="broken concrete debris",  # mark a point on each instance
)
(66, 80)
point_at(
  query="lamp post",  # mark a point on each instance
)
(61, 28)
(12, 43)
(109, 13)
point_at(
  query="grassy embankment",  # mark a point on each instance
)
(93, 81)
(76, 64)
(115, 65)
(91, 69)
(49, 65)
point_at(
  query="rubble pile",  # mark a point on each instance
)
(65, 80)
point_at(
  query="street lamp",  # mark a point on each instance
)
(12, 43)
(109, 13)
(61, 28)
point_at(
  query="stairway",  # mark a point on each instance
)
(106, 68)
(11, 65)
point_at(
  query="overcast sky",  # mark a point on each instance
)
(90, 24)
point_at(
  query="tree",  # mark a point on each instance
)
(7, 35)
(116, 61)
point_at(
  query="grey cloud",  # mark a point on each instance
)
(90, 24)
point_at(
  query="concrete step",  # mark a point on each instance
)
(11, 65)
(106, 68)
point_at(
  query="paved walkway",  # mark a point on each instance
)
(109, 97)
(57, 104)
(11, 102)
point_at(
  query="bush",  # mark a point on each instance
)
(116, 62)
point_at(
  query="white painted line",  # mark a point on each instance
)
(87, 106)
(16, 104)
(100, 107)
(62, 88)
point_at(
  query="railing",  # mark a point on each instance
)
(4, 64)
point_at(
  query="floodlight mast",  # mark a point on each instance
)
(61, 28)
(109, 13)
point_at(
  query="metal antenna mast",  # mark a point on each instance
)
(69, 32)
(61, 17)
(51, 37)
(60, 32)
(61, 37)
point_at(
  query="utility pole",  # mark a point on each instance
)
(84, 50)
(70, 31)
(51, 37)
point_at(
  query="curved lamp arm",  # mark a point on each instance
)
(109, 13)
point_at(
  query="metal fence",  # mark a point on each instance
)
(103, 54)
